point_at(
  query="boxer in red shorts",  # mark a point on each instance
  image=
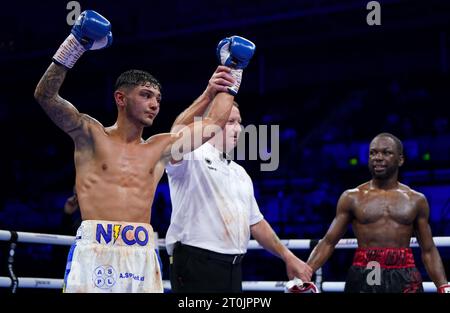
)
(385, 214)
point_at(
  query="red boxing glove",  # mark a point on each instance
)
(298, 286)
(444, 289)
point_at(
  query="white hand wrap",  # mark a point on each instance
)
(298, 286)
(69, 52)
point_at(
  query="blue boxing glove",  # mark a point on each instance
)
(90, 32)
(235, 52)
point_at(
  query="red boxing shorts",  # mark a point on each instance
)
(383, 270)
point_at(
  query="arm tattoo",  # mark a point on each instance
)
(60, 111)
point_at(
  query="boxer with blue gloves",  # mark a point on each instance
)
(90, 32)
(117, 171)
(235, 52)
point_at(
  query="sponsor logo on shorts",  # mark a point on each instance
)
(139, 235)
(104, 277)
(132, 276)
(116, 231)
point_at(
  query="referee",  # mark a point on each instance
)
(214, 213)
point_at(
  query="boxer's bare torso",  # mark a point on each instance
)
(383, 218)
(116, 180)
(116, 170)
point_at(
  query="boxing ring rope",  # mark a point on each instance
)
(14, 282)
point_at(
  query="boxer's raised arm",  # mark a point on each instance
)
(60, 111)
(234, 53)
(219, 82)
(90, 32)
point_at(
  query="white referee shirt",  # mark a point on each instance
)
(213, 204)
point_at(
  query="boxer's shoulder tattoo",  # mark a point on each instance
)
(82, 141)
(89, 119)
(61, 111)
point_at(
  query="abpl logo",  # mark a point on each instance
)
(104, 276)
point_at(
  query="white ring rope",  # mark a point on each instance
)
(338, 286)
(327, 286)
(32, 282)
(5, 235)
(348, 243)
(51, 283)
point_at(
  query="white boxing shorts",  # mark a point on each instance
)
(113, 257)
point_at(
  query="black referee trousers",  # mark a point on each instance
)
(194, 270)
